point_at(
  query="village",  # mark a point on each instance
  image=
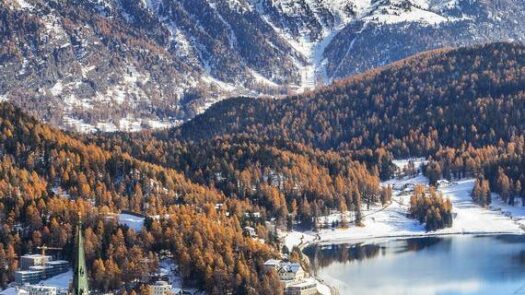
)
(45, 274)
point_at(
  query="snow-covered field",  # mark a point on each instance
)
(392, 221)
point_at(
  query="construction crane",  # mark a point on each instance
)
(44, 248)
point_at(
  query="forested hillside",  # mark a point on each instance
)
(127, 65)
(463, 109)
(246, 161)
(47, 177)
(281, 177)
(440, 98)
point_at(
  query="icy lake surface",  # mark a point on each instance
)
(430, 265)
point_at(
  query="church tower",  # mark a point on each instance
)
(80, 280)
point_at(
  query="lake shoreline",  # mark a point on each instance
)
(391, 221)
(333, 285)
(346, 240)
(335, 291)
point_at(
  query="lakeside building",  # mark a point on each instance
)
(294, 278)
(289, 272)
(306, 287)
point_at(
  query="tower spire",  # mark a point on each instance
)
(80, 281)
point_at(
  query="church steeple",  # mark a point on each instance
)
(80, 280)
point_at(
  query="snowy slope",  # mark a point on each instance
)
(131, 65)
(392, 221)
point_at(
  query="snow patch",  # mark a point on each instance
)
(130, 124)
(132, 221)
(57, 88)
(261, 79)
(20, 5)
(79, 125)
(392, 220)
(106, 127)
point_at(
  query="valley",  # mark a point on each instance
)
(121, 155)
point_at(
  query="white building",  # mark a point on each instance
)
(272, 264)
(29, 260)
(306, 287)
(289, 272)
(160, 288)
(37, 290)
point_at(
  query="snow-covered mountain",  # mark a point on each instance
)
(133, 64)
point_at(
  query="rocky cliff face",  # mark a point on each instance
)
(128, 64)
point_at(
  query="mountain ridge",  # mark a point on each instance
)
(131, 65)
(337, 116)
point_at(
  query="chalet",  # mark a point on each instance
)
(291, 272)
(250, 232)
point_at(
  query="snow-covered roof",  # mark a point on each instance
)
(38, 267)
(32, 256)
(293, 267)
(272, 262)
(24, 272)
(55, 262)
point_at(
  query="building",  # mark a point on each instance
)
(272, 264)
(29, 260)
(289, 272)
(252, 215)
(307, 287)
(250, 232)
(38, 290)
(56, 267)
(160, 288)
(34, 271)
(28, 276)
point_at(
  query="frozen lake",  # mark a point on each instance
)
(429, 265)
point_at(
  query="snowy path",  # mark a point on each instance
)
(392, 221)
